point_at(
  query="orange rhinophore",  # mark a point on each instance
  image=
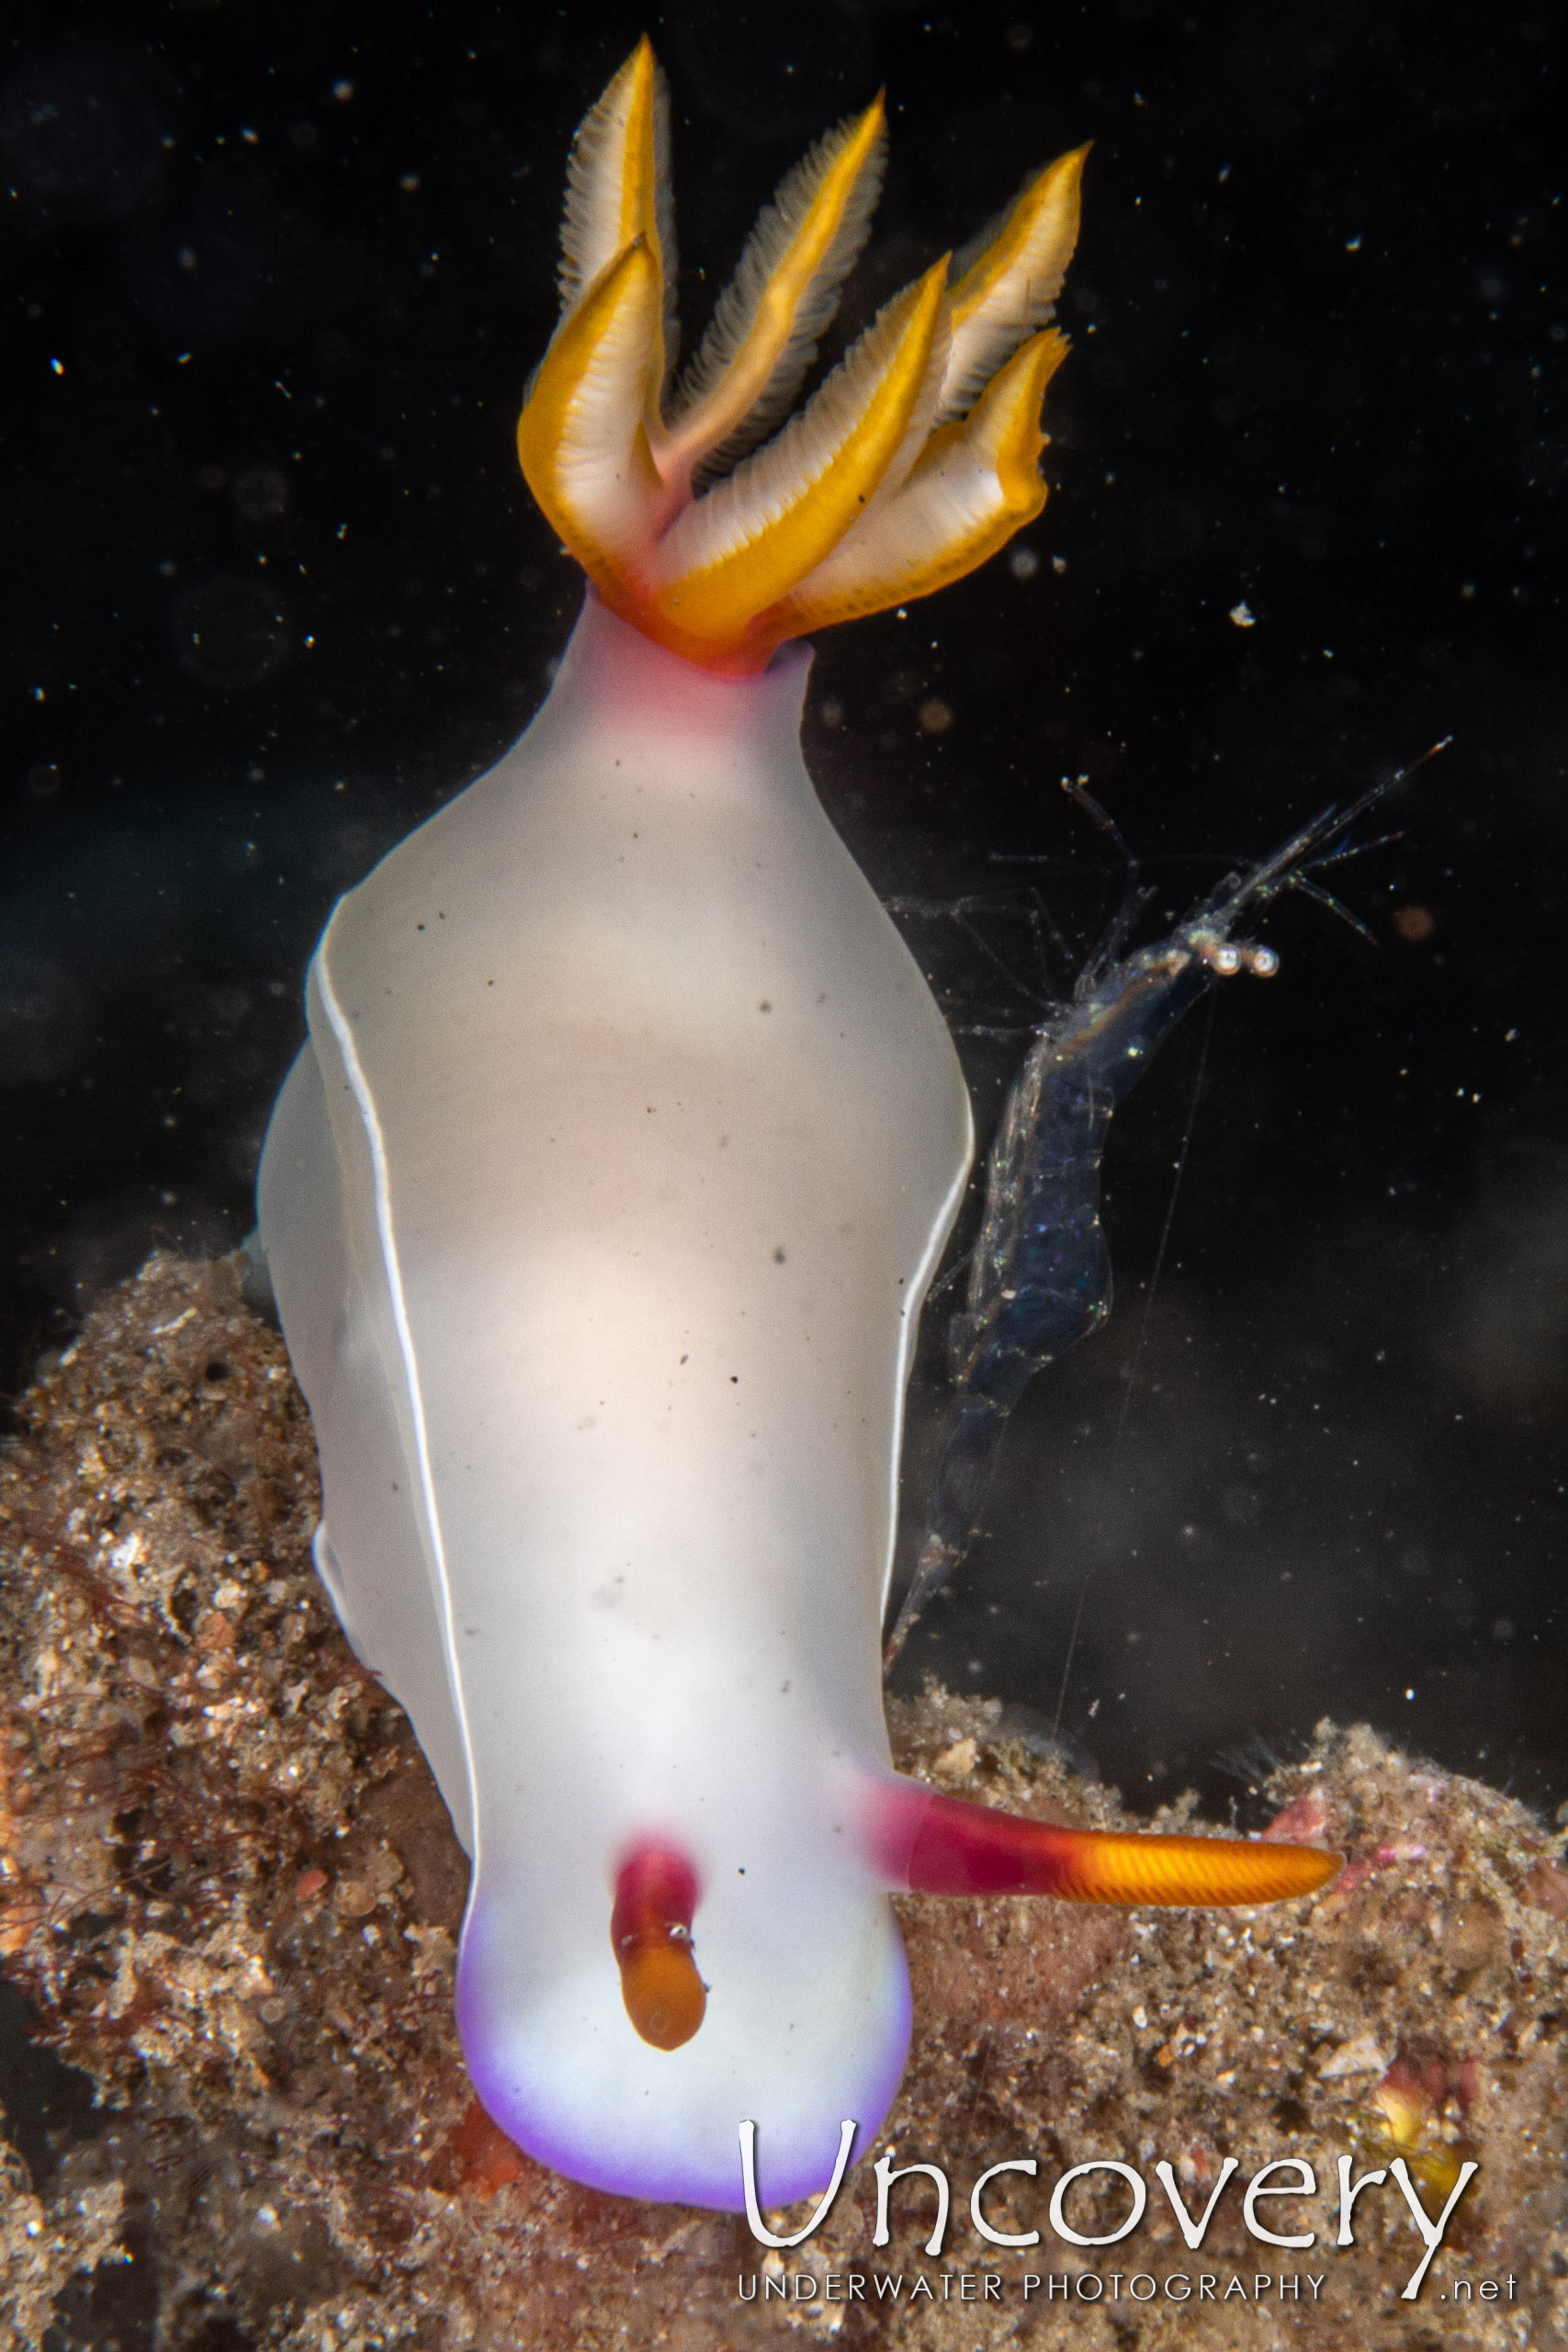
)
(703, 511)
(651, 1931)
(937, 1844)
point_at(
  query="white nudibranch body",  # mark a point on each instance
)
(599, 1208)
(600, 1204)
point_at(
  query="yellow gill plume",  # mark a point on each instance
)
(582, 436)
(911, 463)
(618, 188)
(736, 551)
(974, 484)
(764, 329)
(1010, 287)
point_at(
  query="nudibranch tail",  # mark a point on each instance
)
(915, 460)
(939, 1845)
(650, 1933)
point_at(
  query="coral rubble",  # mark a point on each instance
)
(229, 1891)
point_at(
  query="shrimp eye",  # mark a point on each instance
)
(651, 1931)
(1225, 960)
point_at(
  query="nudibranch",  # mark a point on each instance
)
(601, 1202)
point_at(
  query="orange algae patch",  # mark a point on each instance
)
(479, 2156)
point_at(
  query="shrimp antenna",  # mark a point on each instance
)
(1315, 891)
(1134, 897)
(1358, 849)
(1287, 869)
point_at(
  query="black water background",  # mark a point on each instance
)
(274, 589)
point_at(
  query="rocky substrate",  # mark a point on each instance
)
(231, 1893)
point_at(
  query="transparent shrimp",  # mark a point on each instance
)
(1039, 1278)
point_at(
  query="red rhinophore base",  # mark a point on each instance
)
(936, 1845)
(650, 1928)
(655, 1890)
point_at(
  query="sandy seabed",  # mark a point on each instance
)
(229, 1890)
